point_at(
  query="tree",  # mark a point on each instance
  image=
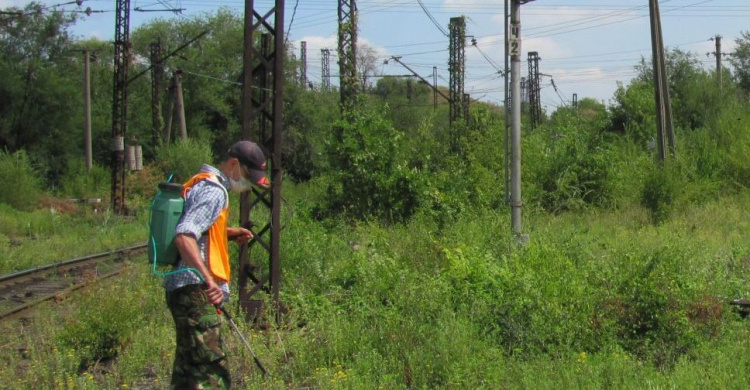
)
(41, 86)
(367, 61)
(740, 59)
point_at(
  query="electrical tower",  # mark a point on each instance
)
(575, 101)
(325, 56)
(457, 67)
(348, 55)
(157, 82)
(262, 122)
(533, 89)
(303, 65)
(524, 92)
(120, 104)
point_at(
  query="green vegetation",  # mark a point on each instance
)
(398, 264)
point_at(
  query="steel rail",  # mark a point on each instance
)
(20, 276)
(36, 275)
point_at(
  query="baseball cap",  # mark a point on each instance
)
(251, 156)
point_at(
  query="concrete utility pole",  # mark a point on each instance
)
(170, 113)
(434, 90)
(303, 65)
(664, 125)
(180, 105)
(87, 108)
(514, 49)
(506, 103)
(718, 54)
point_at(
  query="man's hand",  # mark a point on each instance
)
(214, 293)
(239, 235)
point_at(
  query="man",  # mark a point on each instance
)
(201, 238)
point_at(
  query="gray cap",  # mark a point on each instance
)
(252, 157)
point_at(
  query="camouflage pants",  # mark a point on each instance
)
(199, 361)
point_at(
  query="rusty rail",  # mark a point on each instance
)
(33, 286)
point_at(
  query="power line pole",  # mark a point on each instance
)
(157, 80)
(303, 65)
(533, 88)
(348, 24)
(265, 107)
(120, 104)
(575, 101)
(514, 49)
(325, 55)
(664, 125)
(170, 112)
(434, 90)
(457, 67)
(718, 54)
(506, 81)
(87, 108)
(180, 106)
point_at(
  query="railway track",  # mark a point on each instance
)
(21, 291)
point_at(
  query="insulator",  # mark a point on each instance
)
(138, 157)
(118, 144)
(79, 2)
(89, 11)
(130, 157)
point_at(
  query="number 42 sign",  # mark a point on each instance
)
(514, 41)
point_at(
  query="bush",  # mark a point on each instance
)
(184, 158)
(660, 193)
(22, 185)
(98, 330)
(78, 183)
(570, 168)
(371, 178)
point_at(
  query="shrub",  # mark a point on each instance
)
(99, 329)
(570, 168)
(184, 158)
(78, 183)
(22, 184)
(371, 178)
(659, 193)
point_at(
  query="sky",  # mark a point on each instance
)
(586, 47)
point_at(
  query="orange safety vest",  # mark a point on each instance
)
(218, 251)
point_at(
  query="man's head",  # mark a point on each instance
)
(245, 160)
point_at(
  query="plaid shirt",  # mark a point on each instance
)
(203, 204)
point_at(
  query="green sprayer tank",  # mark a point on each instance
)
(166, 210)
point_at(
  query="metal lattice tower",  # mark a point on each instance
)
(120, 103)
(535, 104)
(303, 65)
(262, 122)
(325, 58)
(157, 83)
(575, 100)
(524, 91)
(348, 54)
(457, 66)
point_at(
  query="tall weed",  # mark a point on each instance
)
(22, 184)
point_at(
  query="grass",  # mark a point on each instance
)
(597, 300)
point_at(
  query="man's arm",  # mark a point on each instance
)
(191, 255)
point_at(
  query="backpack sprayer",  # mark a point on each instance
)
(165, 213)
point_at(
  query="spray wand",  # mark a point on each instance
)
(220, 309)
